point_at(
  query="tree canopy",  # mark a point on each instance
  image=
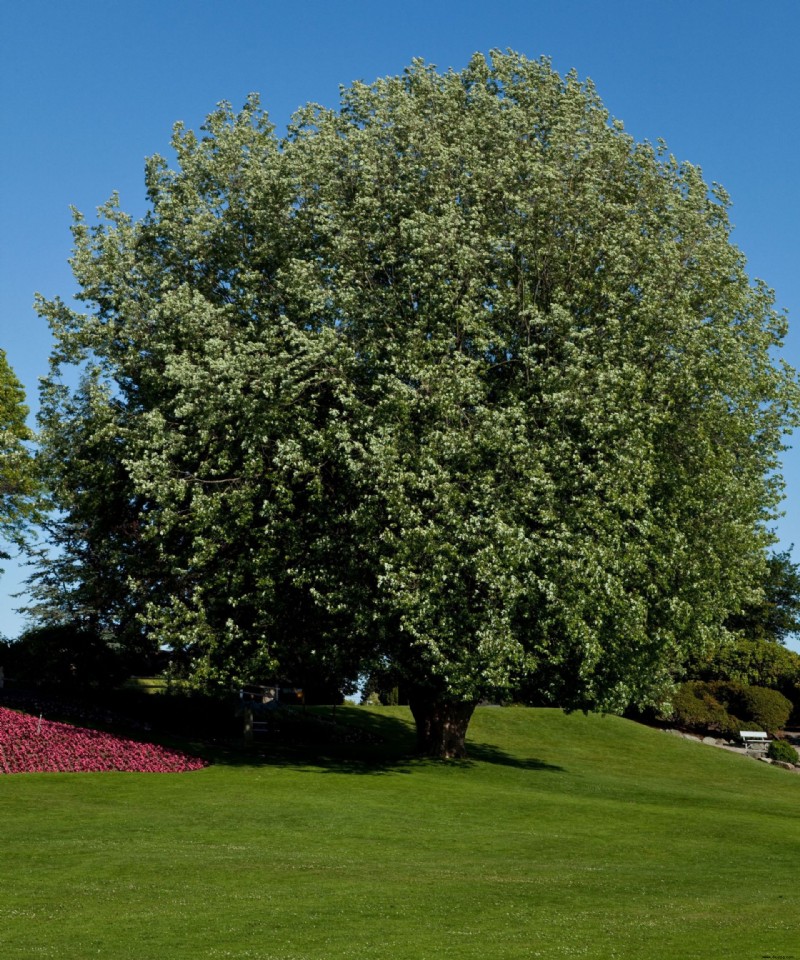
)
(775, 614)
(755, 653)
(17, 484)
(456, 381)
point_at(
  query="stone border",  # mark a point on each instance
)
(735, 748)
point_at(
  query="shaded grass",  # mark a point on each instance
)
(562, 836)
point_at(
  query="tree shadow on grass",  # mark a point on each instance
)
(317, 739)
(489, 753)
(352, 742)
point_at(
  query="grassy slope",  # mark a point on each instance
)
(567, 836)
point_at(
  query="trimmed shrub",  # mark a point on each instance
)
(694, 707)
(727, 708)
(782, 751)
(732, 726)
(766, 707)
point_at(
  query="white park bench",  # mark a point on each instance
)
(755, 740)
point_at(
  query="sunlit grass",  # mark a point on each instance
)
(146, 684)
(564, 836)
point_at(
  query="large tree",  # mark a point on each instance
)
(457, 382)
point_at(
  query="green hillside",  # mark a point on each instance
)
(564, 836)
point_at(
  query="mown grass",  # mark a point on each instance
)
(145, 684)
(564, 836)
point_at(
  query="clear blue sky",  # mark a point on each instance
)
(88, 89)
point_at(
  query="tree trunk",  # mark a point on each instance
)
(441, 726)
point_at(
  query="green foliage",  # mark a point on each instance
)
(65, 657)
(753, 654)
(767, 708)
(782, 751)
(692, 708)
(728, 707)
(18, 488)
(749, 660)
(776, 612)
(457, 382)
(704, 707)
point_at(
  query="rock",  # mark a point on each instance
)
(712, 741)
(764, 759)
(782, 763)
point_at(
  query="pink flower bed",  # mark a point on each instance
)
(31, 745)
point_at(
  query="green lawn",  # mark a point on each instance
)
(145, 684)
(565, 836)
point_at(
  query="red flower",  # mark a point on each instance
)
(33, 745)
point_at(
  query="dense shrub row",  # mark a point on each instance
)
(32, 745)
(172, 714)
(727, 708)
